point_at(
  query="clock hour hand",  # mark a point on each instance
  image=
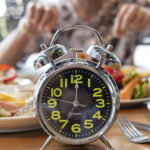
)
(81, 105)
(76, 102)
(76, 96)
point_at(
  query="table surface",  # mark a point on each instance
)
(34, 140)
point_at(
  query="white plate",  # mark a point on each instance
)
(132, 102)
(18, 124)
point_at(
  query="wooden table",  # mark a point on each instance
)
(34, 140)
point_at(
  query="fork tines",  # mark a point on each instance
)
(130, 131)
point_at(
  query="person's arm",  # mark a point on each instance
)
(12, 47)
(37, 19)
(131, 17)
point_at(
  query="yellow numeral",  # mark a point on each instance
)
(55, 115)
(88, 124)
(89, 82)
(76, 128)
(52, 103)
(56, 92)
(76, 78)
(97, 92)
(62, 83)
(101, 103)
(65, 123)
(97, 115)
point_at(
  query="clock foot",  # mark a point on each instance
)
(46, 143)
(106, 142)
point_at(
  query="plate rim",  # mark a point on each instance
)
(17, 117)
(131, 101)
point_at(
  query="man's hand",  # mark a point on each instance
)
(131, 17)
(39, 18)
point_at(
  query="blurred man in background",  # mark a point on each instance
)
(116, 20)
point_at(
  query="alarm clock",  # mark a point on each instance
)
(76, 100)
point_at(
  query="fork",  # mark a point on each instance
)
(130, 131)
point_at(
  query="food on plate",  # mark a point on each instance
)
(8, 107)
(4, 112)
(7, 73)
(28, 109)
(132, 83)
(12, 104)
(127, 91)
(9, 104)
(11, 99)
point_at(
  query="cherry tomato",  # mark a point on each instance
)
(9, 71)
(118, 76)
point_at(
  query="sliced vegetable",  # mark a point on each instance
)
(9, 71)
(144, 90)
(127, 91)
(7, 97)
(4, 97)
(137, 91)
(140, 91)
(132, 76)
(4, 113)
(129, 77)
(12, 108)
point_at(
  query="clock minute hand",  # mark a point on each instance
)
(61, 100)
(81, 105)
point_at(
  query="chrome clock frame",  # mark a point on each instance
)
(73, 63)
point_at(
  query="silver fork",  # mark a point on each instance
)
(130, 131)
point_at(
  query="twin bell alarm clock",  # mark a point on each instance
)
(76, 100)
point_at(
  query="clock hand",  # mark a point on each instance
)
(76, 103)
(76, 96)
(70, 113)
(61, 100)
(81, 105)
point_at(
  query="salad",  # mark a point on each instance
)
(133, 84)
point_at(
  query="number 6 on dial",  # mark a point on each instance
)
(76, 128)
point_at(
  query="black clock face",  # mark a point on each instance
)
(76, 103)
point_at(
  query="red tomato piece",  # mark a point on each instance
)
(10, 72)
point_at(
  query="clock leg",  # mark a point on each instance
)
(106, 142)
(46, 143)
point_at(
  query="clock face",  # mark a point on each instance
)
(76, 103)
